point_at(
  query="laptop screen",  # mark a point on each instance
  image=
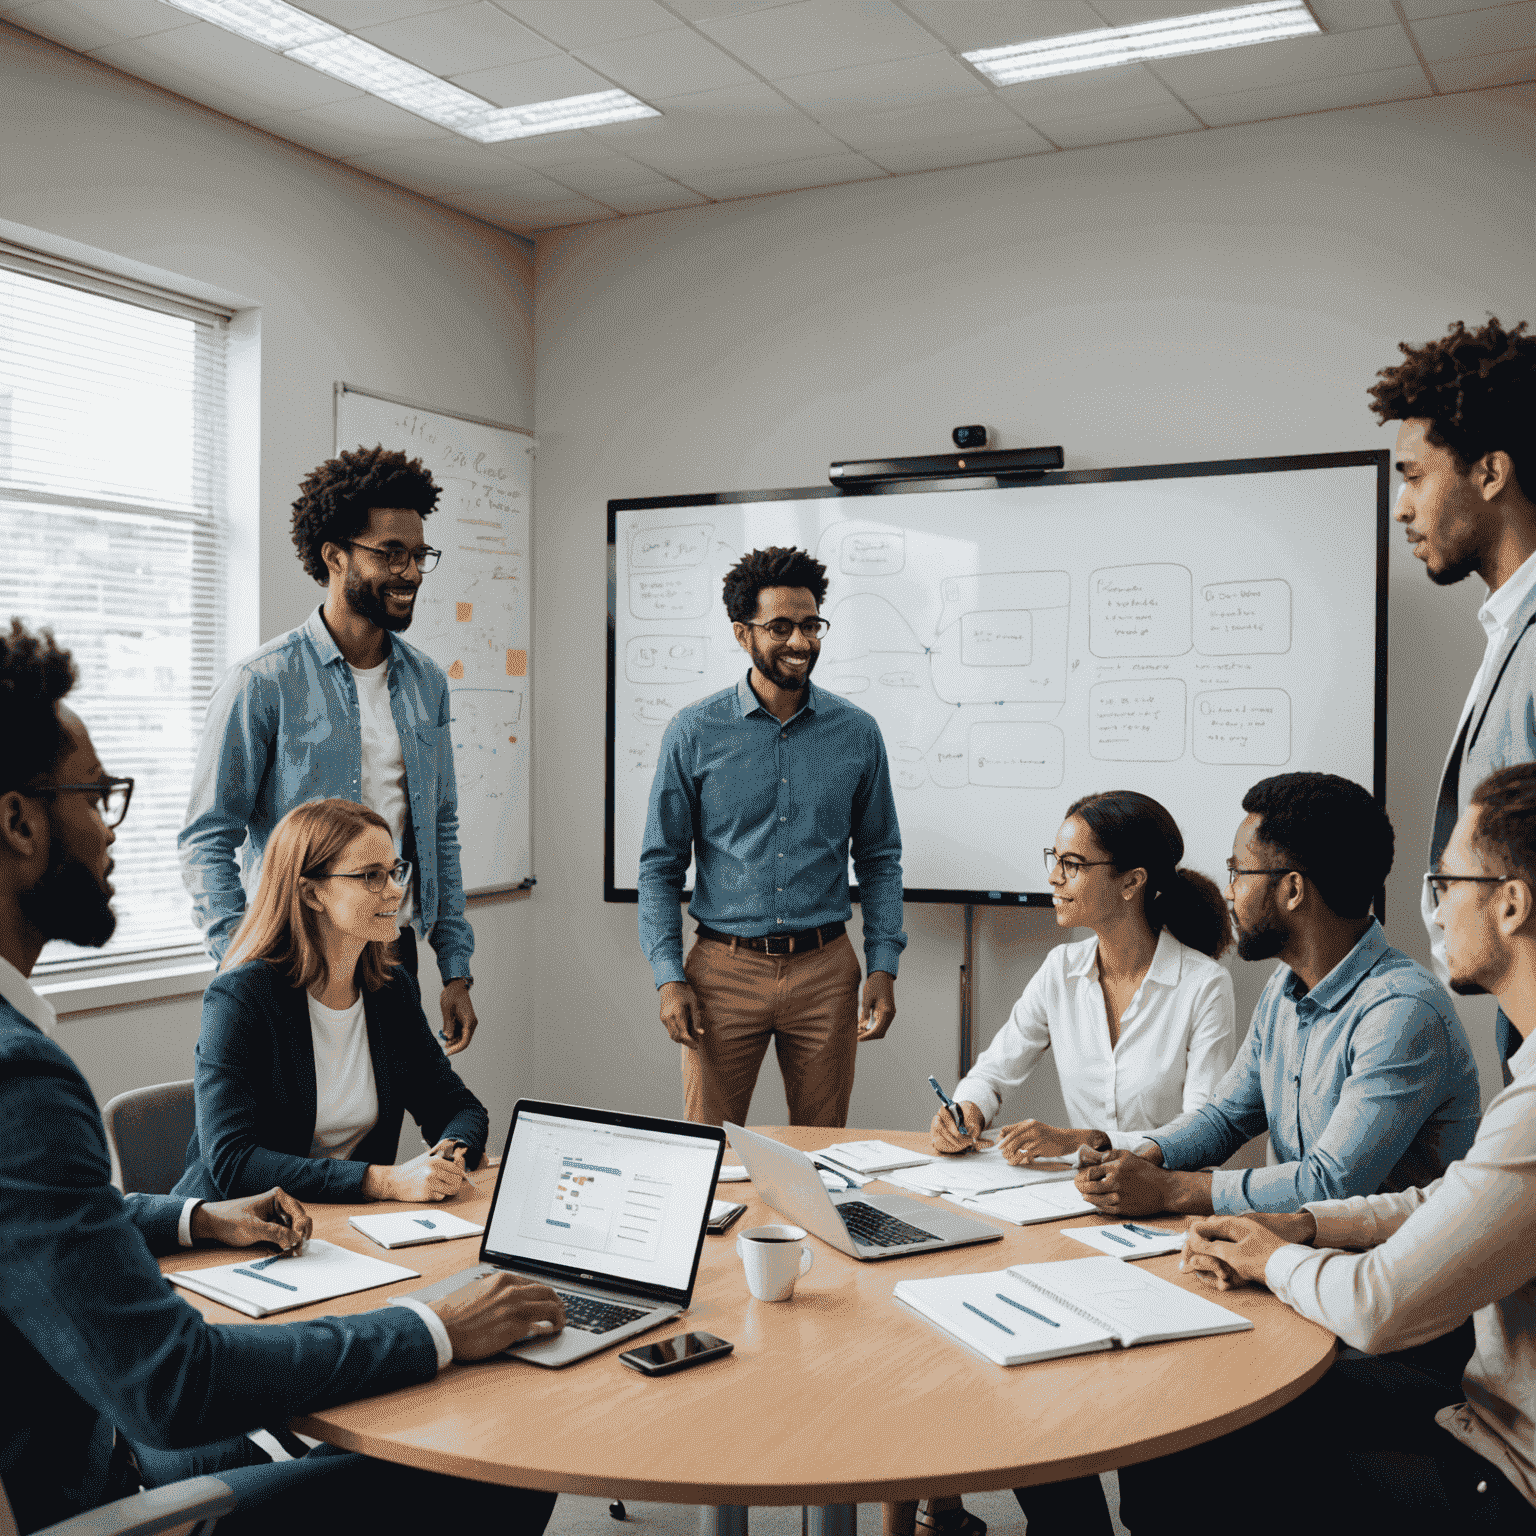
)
(615, 1197)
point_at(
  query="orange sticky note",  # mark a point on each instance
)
(456, 671)
(517, 663)
(512, 739)
(464, 612)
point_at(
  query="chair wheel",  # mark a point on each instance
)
(616, 1509)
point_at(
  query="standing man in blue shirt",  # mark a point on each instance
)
(767, 786)
(342, 708)
(1356, 1065)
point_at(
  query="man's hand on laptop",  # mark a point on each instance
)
(682, 1013)
(498, 1310)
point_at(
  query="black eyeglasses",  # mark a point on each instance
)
(1069, 864)
(398, 557)
(112, 796)
(782, 629)
(1235, 873)
(373, 879)
(1439, 883)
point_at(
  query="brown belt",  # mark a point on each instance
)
(780, 943)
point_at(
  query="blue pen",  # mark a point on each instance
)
(951, 1106)
(1130, 1226)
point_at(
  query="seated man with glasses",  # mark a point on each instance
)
(343, 707)
(313, 1044)
(1356, 1065)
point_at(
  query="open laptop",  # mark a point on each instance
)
(609, 1210)
(862, 1225)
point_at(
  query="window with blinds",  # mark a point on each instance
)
(112, 427)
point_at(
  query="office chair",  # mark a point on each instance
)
(147, 1134)
(188, 1508)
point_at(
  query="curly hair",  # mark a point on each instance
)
(775, 566)
(1330, 830)
(35, 673)
(1139, 833)
(335, 499)
(1477, 390)
(1506, 822)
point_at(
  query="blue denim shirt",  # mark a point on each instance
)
(284, 727)
(1365, 1084)
(770, 812)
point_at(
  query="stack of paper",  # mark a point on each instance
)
(1041, 1202)
(404, 1229)
(278, 1283)
(872, 1156)
(977, 1174)
(1128, 1239)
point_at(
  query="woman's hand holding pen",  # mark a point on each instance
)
(945, 1134)
(427, 1177)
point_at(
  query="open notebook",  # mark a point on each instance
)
(1072, 1307)
(263, 1285)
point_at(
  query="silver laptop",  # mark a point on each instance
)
(853, 1221)
(609, 1210)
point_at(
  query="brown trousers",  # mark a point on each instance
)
(808, 1005)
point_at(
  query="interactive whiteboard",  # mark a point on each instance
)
(1180, 629)
(472, 615)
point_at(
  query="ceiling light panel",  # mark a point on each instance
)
(1237, 27)
(381, 74)
(272, 23)
(590, 111)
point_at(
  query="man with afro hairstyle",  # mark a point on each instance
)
(1467, 453)
(342, 708)
(768, 786)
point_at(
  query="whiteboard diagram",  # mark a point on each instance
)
(1181, 630)
(472, 614)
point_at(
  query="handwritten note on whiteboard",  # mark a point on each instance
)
(473, 615)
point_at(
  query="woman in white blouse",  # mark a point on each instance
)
(1139, 1017)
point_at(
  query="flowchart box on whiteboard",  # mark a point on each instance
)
(1015, 755)
(872, 553)
(667, 594)
(1139, 610)
(662, 549)
(1243, 725)
(1244, 618)
(662, 659)
(1004, 639)
(1135, 722)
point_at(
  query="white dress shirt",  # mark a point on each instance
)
(1498, 609)
(1466, 1243)
(1177, 1039)
(383, 764)
(346, 1095)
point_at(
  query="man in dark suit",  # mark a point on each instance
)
(100, 1352)
(1467, 453)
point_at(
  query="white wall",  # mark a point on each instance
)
(346, 279)
(1217, 295)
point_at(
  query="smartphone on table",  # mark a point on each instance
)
(676, 1353)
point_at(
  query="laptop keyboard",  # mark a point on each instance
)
(877, 1230)
(593, 1316)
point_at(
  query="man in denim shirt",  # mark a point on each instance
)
(770, 785)
(1356, 1064)
(342, 707)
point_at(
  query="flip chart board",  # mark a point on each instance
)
(1180, 629)
(472, 615)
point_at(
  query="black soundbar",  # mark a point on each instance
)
(948, 466)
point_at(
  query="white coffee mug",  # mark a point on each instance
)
(774, 1258)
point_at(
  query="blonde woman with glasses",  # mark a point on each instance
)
(314, 1045)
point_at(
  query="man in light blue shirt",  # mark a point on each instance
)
(1357, 1066)
(768, 786)
(341, 707)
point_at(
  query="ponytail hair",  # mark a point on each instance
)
(1138, 833)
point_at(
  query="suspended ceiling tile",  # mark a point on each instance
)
(211, 54)
(1122, 89)
(675, 63)
(1487, 70)
(877, 87)
(87, 24)
(451, 164)
(560, 216)
(753, 181)
(1472, 33)
(1291, 62)
(1118, 127)
(545, 149)
(1131, 13)
(964, 149)
(654, 198)
(1312, 96)
(452, 42)
(1351, 15)
(813, 35)
(590, 22)
(349, 15)
(1416, 10)
(324, 138)
(598, 175)
(965, 116)
(376, 120)
(969, 24)
(135, 58)
(515, 85)
(714, 10)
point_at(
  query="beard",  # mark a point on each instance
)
(367, 601)
(1464, 986)
(1456, 570)
(69, 903)
(1262, 942)
(790, 682)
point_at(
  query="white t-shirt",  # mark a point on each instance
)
(346, 1096)
(1177, 1039)
(384, 788)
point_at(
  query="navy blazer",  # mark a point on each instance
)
(94, 1338)
(256, 1089)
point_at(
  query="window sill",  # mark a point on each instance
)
(147, 983)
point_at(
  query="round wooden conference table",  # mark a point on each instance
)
(838, 1396)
